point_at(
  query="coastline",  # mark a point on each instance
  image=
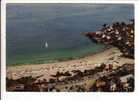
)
(62, 61)
(56, 56)
(109, 56)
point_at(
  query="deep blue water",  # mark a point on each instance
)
(30, 26)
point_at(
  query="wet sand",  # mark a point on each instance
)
(110, 56)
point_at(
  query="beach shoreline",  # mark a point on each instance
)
(56, 57)
(51, 62)
(109, 56)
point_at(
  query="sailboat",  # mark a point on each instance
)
(46, 44)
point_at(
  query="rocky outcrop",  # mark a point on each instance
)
(120, 35)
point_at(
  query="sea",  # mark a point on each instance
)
(46, 33)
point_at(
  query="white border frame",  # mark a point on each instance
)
(71, 1)
(69, 96)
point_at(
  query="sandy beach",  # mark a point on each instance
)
(110, 56)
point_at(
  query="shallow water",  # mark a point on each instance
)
(30, 26)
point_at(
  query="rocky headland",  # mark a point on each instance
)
(120, 35)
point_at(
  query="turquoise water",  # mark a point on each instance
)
(30, 26)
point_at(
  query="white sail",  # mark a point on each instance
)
(46, 44)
